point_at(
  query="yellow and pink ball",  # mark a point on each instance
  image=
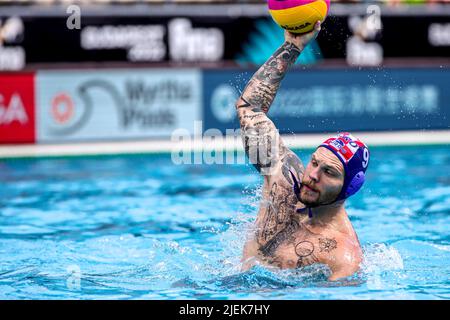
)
(298, 16)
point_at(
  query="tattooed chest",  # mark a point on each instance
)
(276, 212)
(296, 247)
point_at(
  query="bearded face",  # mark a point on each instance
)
(323, 179)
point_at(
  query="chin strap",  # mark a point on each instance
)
(310, 214)
(296, 186)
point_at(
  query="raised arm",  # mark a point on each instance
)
(261, 140)
(264, 147)
(263, 86)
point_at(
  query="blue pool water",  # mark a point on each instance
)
(140, 227)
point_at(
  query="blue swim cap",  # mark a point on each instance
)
(354, 155)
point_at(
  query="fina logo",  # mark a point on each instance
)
(223, 102)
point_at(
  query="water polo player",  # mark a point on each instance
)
(302, 218)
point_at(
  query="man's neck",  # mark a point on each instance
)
(330, 215)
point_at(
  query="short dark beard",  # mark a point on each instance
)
(309, 204)
(316, 203)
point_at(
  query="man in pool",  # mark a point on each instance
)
(302, 218)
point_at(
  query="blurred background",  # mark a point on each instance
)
(106, 70)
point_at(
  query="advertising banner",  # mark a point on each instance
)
(92, 105)
(339, 100)
(360, 40)
(17, 109)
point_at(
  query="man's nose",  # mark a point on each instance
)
(314, 174)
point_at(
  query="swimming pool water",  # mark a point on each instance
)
(140, 227)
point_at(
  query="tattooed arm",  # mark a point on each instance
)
(262, 88)
(262, 142)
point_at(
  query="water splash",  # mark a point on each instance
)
(379, 262)
(379, 257)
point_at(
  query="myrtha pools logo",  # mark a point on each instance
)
(138, 105)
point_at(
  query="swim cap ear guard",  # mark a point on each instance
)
(355, 184)
(354, 155)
